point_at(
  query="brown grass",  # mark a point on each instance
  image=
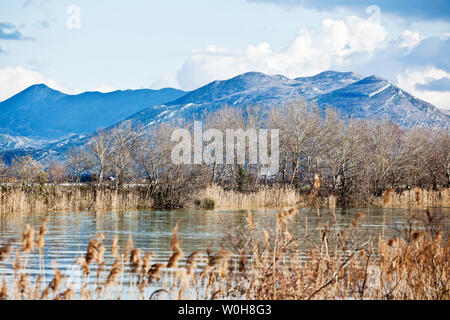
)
(38, 198)
(265, 197)
(415, 197)
(26, 199)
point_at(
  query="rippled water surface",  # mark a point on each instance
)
(69, 233)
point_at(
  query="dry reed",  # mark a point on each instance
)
(25, 199)
(265, 197)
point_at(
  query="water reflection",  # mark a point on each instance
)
(69, 233)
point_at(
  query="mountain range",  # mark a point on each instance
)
(44, 121)
(359, 97)
(40, 112)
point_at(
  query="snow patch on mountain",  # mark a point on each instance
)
(18, 142)
(379, 90)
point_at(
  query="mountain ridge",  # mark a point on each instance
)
(370, 97)
(41, 112)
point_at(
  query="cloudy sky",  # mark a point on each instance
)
(105, 45)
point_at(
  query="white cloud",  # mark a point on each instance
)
(409, 39)
(104, 89)
(166, 81)
(15, 79)
(34, 2)
(352, 44)
(334, 45)
(410, 79)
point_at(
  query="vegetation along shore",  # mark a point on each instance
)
(353, 161)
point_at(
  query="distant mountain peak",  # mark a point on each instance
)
(40, 87)
(376, 98)
(251, 74)
(36, 92)
(331, 73)
(44, 113)
(368, 86)
(373, 78)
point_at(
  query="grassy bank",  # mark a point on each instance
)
(265, 197)
(415, 197)
(273, 197)
(32, 198)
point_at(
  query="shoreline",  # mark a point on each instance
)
(17, 199)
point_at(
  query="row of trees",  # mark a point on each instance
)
(355, 159)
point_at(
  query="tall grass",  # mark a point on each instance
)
(278, 196)
(261, 261)
(416, 197)
(49, 197)
(32, 198)
(265, 197)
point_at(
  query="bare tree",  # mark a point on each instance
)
(28, 170)
(78, 161)
(124, 142)
(301, 139)
(57, 172)
(170, 185)
(101, 149)
(386, 154)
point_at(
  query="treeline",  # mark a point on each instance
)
(355, 160)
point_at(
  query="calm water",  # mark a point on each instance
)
(69, 233)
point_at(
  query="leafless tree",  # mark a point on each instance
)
(78, 161)
(101, 148)
(124, 138)
(57, 172)
(28, 170)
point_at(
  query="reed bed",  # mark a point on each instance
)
(49, 197)
(265, 197)
(278, 196)
(416, 197)
(33, 198)
(260, 261)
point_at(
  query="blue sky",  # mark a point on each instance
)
(186, 44)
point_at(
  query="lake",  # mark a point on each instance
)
(69, 233)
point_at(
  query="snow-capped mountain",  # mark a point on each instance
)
(251, 88)
(376, 98)
(367, 98)
(45, 150)
(42, 112)
(8, 142)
